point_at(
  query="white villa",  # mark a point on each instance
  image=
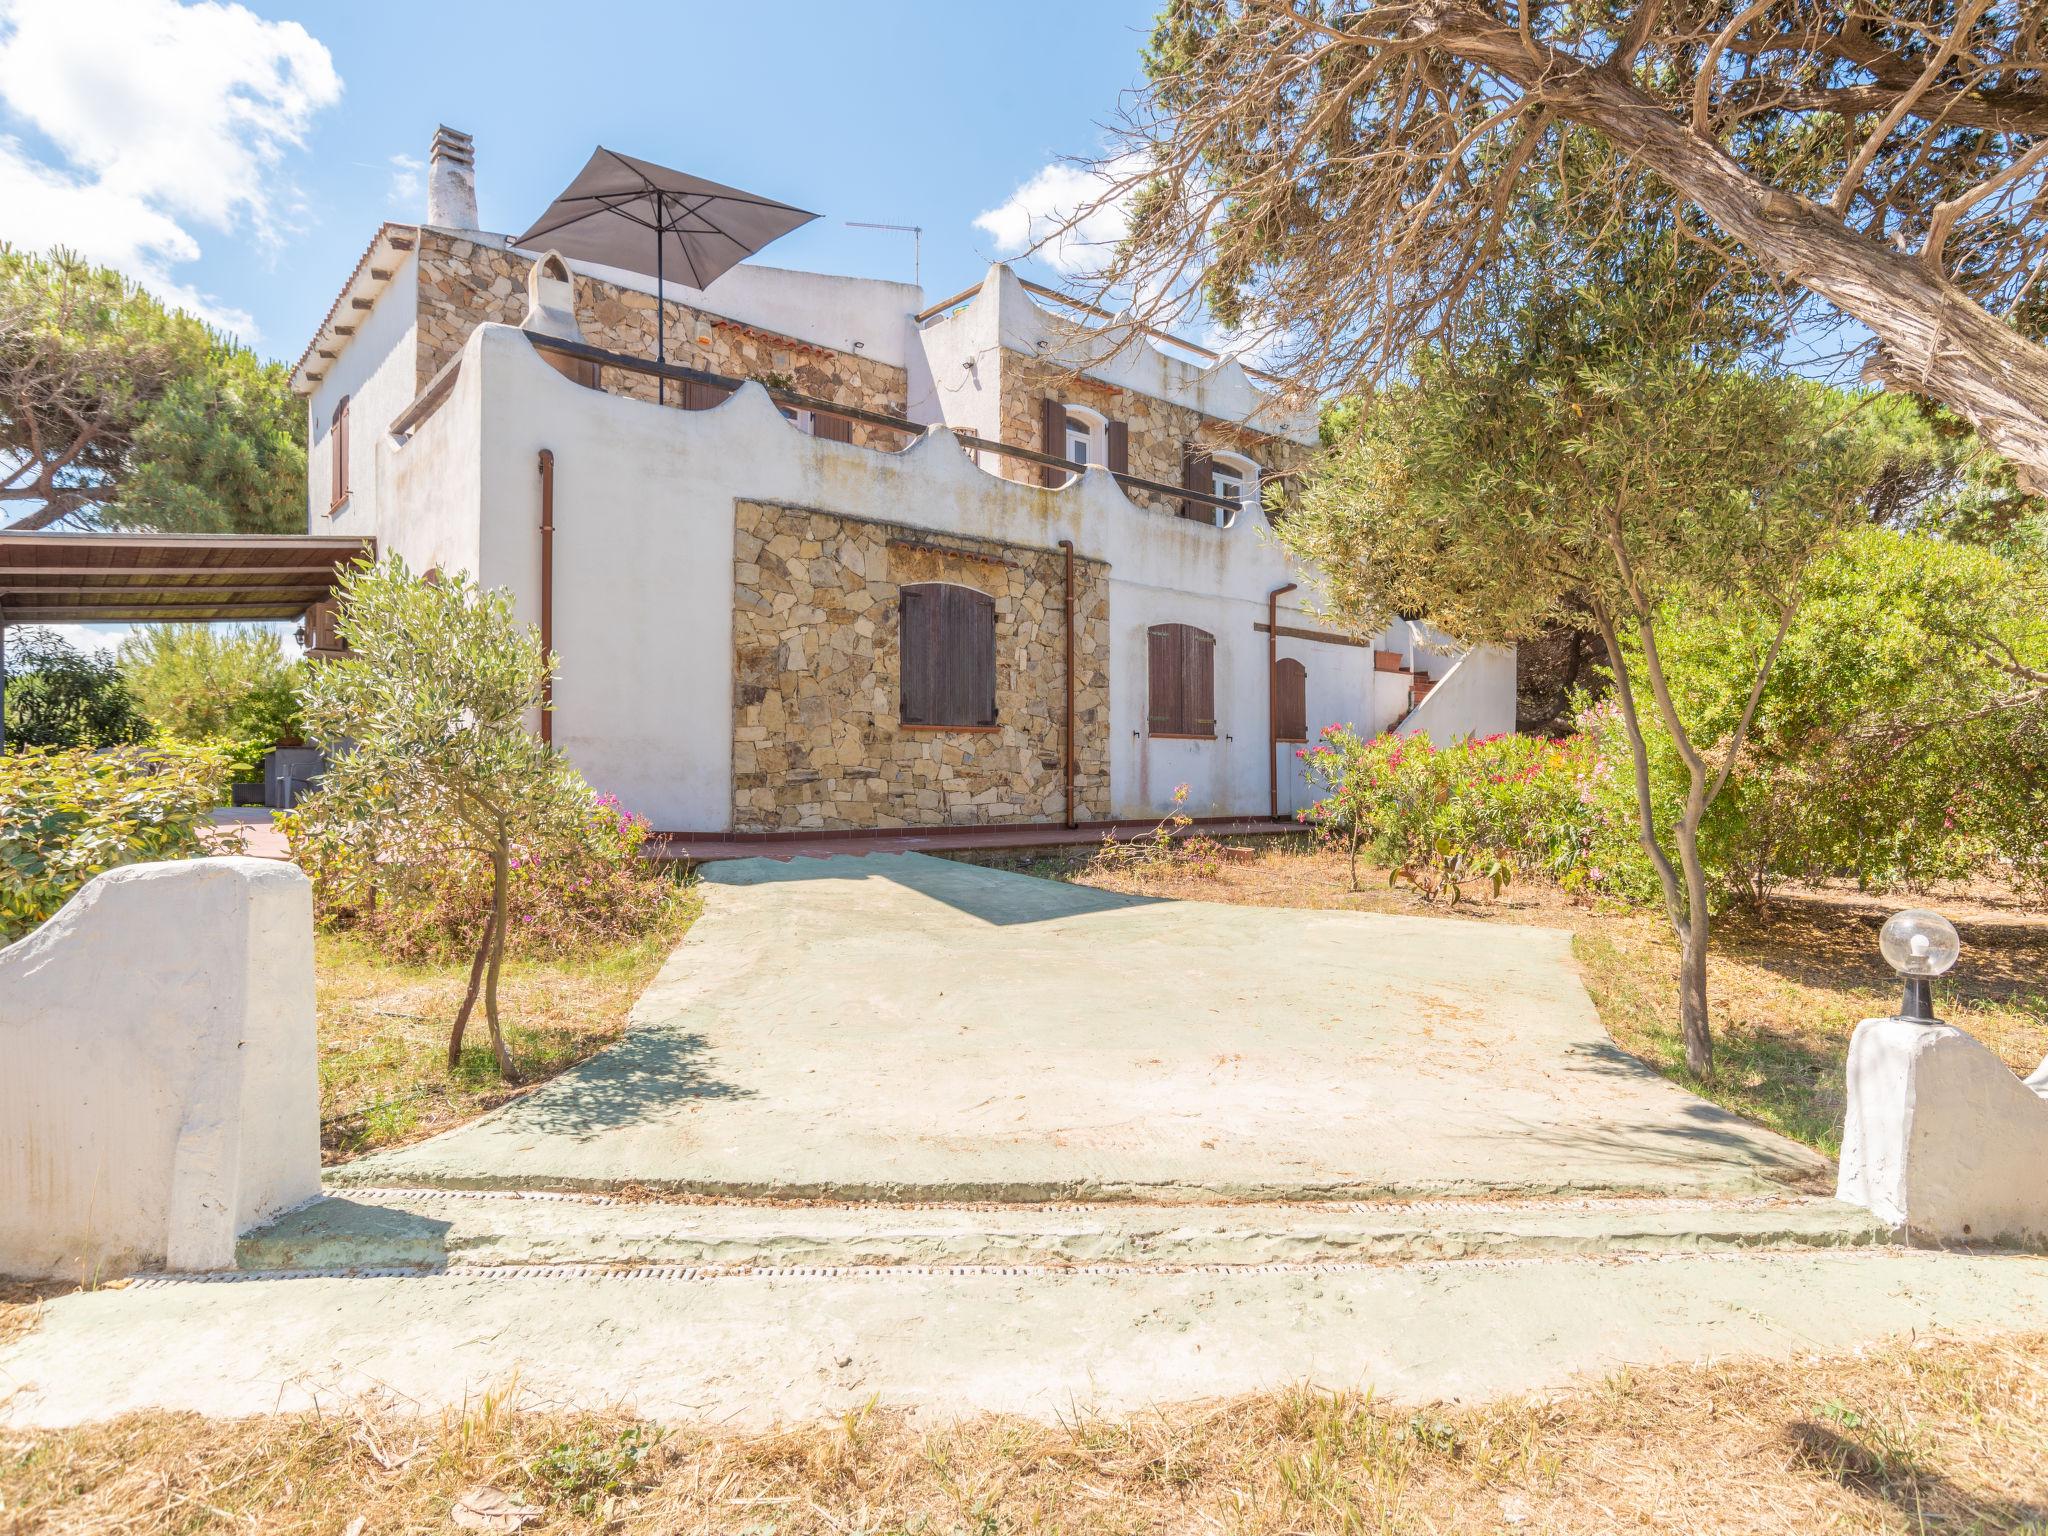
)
(877, 563)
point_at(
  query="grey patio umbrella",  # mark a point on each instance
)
(623, 212)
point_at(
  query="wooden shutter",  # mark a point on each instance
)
(339, 433)
(948, 663)
(1198, 681)
(969, 662)
(1180, 680)
(835, 429)
(1053, 440)
(1118, 448)
(1290, 701)
(1163, 678)
(699, 396)
(1197, 473)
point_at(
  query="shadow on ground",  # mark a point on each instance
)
(1892, 1475)
(654, 1069)
(999, 897)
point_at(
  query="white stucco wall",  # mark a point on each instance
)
(643, 573)
(375, 371)
(1004, 314)
(1474, 696)
(1941, 1139)
(161, 1093)
(955, 373)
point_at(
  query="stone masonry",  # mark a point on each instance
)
(464, 284)
(1159, 430)
(817, 742)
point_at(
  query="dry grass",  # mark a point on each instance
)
(383, 1028)
(1788, 987)
(1936, 1437)
(21, 1304)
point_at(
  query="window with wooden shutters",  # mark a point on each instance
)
(837, 429)
(1290, 701)
(949, 656)
(337, 433)
(1117, 438)
(1180, 680)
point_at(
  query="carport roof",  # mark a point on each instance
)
(113, 578)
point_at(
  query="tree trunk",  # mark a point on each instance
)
(501, 875)
(1692, 955)
(1936, 340)
(476, 980)
(1686, 906)
(1352, 849)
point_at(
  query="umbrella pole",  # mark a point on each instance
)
(660, 304)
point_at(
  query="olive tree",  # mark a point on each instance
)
(1596, 461)
(435, 757)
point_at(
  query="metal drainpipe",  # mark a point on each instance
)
(547, 589)
(1273, 696)
(1067, 750)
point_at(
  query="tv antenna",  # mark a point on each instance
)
(916, 233)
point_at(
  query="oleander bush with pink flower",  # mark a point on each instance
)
(1481, 809)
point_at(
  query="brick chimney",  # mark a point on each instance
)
(451, 180)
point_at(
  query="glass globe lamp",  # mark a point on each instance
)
(1919, 945)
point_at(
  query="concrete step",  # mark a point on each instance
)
(370, 1229)
(758, 1348)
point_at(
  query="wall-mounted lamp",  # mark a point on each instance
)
(1919, 945)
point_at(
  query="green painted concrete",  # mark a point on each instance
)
(900, 1026)
(380, 1229)
(753, 1350)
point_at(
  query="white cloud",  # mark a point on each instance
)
(160, 117)
(408, 181)
(1070, 210)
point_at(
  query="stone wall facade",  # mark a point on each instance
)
(1160, 431)
(464, 284)
(817, 738)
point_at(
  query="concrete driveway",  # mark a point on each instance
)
(901, 1026)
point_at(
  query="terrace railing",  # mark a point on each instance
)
(698, 383)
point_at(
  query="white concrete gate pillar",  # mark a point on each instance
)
(1942, 1139)
(159, 1092)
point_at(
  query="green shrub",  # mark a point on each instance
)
(421, 887)
(67, 815)
(1898, 741)
(1442, 817)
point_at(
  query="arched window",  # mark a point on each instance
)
(949, 657)
(1235, 477)
(337, 436)
(1290, 701)
(1181, 680)
(1082, 435)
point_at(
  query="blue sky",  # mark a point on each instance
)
(239, 157)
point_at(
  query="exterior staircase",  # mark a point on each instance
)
(1419, 681)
